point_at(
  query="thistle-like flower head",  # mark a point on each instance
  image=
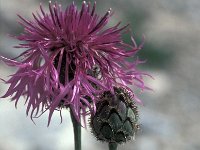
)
(70, 57)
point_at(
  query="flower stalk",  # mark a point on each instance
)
(112, 146)
(77, 132)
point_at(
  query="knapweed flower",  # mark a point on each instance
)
(70, 57)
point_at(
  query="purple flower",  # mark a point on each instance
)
(71, 57)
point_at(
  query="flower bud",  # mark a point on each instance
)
(116, 117)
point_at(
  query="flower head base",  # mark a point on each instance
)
(63, 48)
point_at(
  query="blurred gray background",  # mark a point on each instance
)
(170, 114)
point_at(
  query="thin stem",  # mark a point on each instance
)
(112, 146)
(77, 132)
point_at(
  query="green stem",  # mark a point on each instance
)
(112, 146)
(77, 132)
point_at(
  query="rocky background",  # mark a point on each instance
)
(170, 114)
